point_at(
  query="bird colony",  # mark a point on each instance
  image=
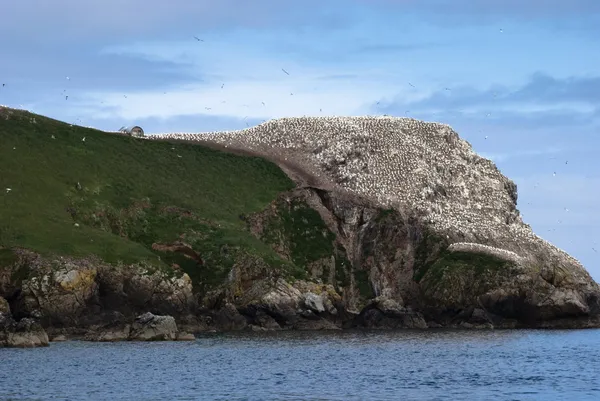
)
(400, 163)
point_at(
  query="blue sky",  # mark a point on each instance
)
(519, 80)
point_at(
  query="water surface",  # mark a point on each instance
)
(409, 365)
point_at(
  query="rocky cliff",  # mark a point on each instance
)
(388, 223)
(424, 220)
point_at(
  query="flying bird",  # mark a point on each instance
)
(198, 39)
(411, 84)
(285, 71)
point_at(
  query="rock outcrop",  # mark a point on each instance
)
(26, 333)
(145, 327)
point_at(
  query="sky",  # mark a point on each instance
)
(519, 80)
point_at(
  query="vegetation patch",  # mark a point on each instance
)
(426, 253)
(79, 192)
(361, 278)
(342, 267)
(474, 268)
(303, 232)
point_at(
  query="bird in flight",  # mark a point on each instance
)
(198, 39)
(285, 71)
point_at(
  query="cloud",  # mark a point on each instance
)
(240, 79)
(541, 98)
(77, 21)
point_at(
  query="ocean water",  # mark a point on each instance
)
(404, 365)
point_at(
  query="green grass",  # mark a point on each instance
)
(107, 195)
(451, 265)
(303, 231)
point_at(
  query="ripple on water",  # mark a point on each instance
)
(435, 365)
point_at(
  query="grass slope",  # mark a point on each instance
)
(113, 196)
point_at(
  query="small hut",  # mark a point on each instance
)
(133, 131)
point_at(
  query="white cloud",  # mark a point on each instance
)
(246, 81)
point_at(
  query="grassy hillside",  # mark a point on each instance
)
(114, 196)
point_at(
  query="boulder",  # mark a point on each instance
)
(59, 338)
(109, 334)
(385, 313)
(228, 318)
(313, 302)
(182, 336)
(26, 333)
(150, 327)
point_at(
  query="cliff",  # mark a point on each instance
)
(305, 223)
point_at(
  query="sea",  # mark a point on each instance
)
(346, 365)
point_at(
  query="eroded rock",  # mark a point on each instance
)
(150, 327)
(26, 333)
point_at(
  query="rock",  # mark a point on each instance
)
(388, 306)
(228, 318)
(313, 302)
(109, 334)
(150, 327)
(59, 338)
(58, 296)
(256, 328)
(385, 313)
(265, 321)
(182, 336)
(315, 324)
(26, 333)
(277, 299)
(4, 307)
(479, 316)
(165, 293)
